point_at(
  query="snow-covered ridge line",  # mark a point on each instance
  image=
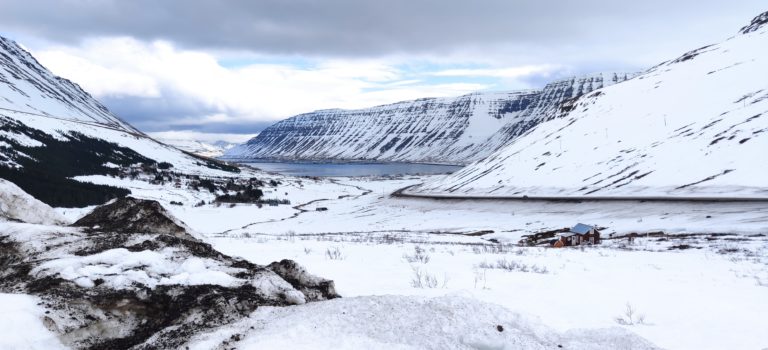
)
(200, 148)
(454, 130)
(27, 86)
(694, 126)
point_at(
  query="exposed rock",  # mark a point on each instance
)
(131, 215)
(141, 290)
(313, 287)
(757, 23)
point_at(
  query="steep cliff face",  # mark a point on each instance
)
(443, 130)
(692, 126)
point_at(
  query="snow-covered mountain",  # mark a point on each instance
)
(200, 148)
(696, 125)
(441, 130)
(28, 87)
(52, 130)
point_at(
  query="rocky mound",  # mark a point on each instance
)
(132, 215)
(17, 205)
(104, 290)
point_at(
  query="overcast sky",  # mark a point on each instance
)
(197, 68)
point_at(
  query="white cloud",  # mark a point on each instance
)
(97, 79)
(201, 136)
(511, 72)
(125, 67)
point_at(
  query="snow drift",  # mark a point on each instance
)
(401, 322)
(15, 204)
(692, 126)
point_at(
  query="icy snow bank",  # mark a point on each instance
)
(22, 324)
(120, 269)
(400, 322)
(16, 204)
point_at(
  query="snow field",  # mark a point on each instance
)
(22, 324)
(400, 322)
(682, 299)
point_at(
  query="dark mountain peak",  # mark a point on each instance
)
(757, 23)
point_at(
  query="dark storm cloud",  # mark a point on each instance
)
(370, 28)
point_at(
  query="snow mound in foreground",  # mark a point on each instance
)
(401, 322)
(15, 204)
(22, 324)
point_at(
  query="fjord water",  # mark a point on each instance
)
(351, 169)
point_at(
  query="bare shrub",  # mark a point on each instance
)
(511, 265)
(630, 317)
(424, 279)
(307, 250)
(334, 253)
(480, 278)
(419, 255)
(491, 249)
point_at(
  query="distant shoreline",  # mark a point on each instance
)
(330, 161)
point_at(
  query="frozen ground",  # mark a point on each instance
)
(702, 285)
(365, 205)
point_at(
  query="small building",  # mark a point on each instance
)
(580, 234)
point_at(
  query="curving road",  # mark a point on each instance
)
(401, 193)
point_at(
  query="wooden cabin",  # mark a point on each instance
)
(580, 234)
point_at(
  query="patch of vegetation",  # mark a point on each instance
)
(215, 164)
(46, 170)
(248, 195)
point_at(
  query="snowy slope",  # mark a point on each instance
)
(692, 126)
(442, 130)
(22, 324)
(34, 100)
(15, 204)
(26, 86)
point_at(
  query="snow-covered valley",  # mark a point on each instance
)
(449, 259)
(631, 216)
(373, 244)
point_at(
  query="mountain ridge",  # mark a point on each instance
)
(454, 130)
(693, 126)
(26, 86)
(52, 130)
